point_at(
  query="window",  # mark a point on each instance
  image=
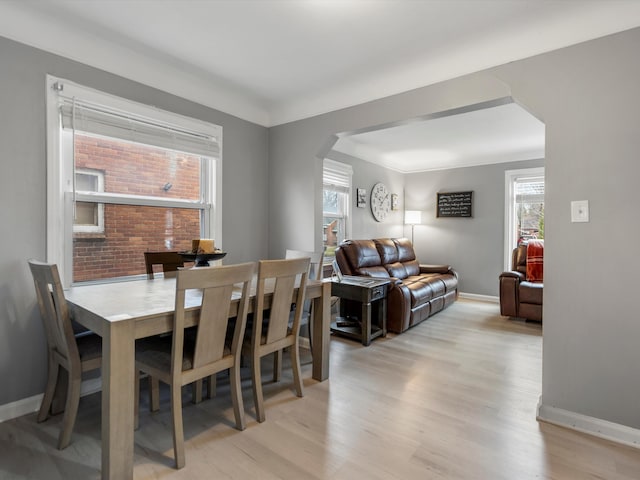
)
(524, 217)
(124, 178)
(336, 205)
(89, 217)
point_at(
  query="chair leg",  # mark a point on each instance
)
(136, 400)
(211, 385)
(60, 393)
(310, 330)
(52, 380)
(295, 365)
(257, 387)
(70, 411)
(277, 365)
(196, 391)
(178, 429)
(236, 395)
(154, 394)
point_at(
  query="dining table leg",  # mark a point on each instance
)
(118, 368)
(321, 333)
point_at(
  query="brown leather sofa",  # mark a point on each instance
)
(519, 298)
(416, 291)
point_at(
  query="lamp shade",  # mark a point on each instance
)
(412, 217)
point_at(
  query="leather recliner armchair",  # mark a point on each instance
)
(518, 297)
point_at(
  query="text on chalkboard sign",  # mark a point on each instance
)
(455, 204)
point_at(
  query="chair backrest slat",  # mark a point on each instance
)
(280, 308)
(212, 328)
(219, 285)
(284, 272)
(54, 310)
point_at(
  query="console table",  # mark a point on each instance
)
(362, 292)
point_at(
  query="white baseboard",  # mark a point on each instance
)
(20, 407)
(590, 425)
(480, 298)
(29, 405)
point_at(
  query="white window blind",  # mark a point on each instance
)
(81, 115)
(529, 190)
(336, 176)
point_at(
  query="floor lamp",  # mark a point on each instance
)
(413, 218)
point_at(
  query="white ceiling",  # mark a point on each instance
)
(498, 134)
(276, 61)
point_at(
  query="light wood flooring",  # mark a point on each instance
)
(453, 398)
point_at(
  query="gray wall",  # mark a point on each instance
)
(23, 194)
(474, 247)
(587, 97)
(296, 151)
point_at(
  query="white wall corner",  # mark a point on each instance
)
(589, 425)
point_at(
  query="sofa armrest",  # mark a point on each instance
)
(435, 269)
(509, 283)
(520, 277)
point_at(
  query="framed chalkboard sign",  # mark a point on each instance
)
(455, 204)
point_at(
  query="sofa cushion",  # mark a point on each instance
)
(436, 284)
(377, 271)
(360, 253)
(387, 250)
(421, 292)
(412, 267)
(396, 270)
(531, 292)
(450, 282)
(405, 249)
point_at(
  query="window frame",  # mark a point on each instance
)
(99, 227)
(60, 168)
(511, 177)
(343, 174)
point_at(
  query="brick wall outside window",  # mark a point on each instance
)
(130, 230)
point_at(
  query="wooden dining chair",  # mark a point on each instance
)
(315, 273)
(315, 261)
(272, 333)
(170, 262)
(76, 354)
(184, 360)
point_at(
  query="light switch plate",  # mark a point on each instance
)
(580, 211)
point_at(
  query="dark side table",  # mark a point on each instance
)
(359, 298)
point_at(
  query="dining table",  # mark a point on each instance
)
(121, 312)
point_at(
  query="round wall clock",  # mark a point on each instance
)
(380, 201)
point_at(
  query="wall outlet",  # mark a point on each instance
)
(580, 211)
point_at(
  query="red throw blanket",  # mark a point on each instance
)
(535, 256)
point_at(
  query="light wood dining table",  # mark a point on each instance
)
(122, 312)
